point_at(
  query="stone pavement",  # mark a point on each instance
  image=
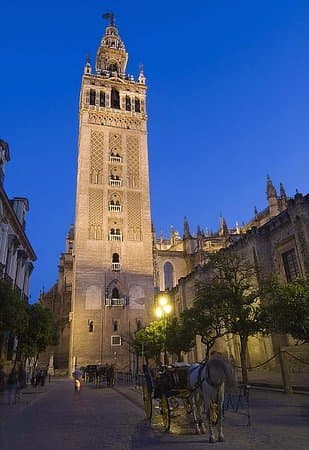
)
(28, 396)
(278, 421)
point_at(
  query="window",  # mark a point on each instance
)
(290, 265)
(168, 275)
(138, 324)
(102, 98)
(115, 262)
(113, 67)
(115, 258)
(115, 340)
(115, 325)
(137, 105)
(90, 326)
(115, 99)
(115, 293)
(128, 103)
(92, 96)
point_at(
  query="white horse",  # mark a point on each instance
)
(206, 382)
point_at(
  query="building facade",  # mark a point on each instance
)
(112, 285)
(113, 262)
(276, 240)
(16, 253)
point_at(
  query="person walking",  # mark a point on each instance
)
(2, 379)
(12, 385)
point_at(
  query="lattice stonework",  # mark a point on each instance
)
(134, 216)
(115, 142)
(96, 157)
(95, 213)
(133, 161)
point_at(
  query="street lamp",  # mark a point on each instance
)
(163, 309)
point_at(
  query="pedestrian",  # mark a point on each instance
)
(22, 381)
(2, 379)
(43, 375)
(12, 385)
(77, 374)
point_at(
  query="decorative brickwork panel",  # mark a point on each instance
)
(95, 214)
(134, 216)
(115, 143)
(112, 120)
(96, 157)
(133, 162)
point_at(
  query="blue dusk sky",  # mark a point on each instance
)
(227, 105)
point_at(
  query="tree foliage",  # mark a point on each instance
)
(40, 332)
(180, 337)
(150, 341)
(289, 308)
(229, 302)
(13, 310)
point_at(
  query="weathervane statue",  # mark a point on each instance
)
(111, 17)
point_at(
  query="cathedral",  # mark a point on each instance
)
(113, 265)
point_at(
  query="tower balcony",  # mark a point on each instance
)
(116, 159)
(115, 208)
(115, 183)
(116, 301)
(116, 267)
(115, 237)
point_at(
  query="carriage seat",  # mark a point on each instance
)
(179, 374)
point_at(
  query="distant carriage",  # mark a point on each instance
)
(105, 374)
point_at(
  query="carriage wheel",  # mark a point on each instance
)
(165, 412)
(147, 402)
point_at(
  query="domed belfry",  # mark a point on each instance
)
(112, 259)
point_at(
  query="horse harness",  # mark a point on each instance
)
(207, 377)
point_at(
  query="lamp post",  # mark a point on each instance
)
(163, 309)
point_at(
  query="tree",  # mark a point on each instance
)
(207, 317)
(40, 332)
(180, 337)
(149, 341)
(230, 301)
(13, 313)
(289, 308)
(13, 310)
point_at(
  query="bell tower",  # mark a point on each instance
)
(112, 268)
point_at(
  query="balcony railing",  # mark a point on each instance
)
(115, 237)
(116, 301)
(115, 182)
(116, 267)
(116, 159)
(115, 208)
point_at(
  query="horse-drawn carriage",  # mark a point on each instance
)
(105, 373)
(100, 374)
(193, 387)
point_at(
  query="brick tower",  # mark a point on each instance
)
(113, 269)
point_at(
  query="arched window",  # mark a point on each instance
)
(113, 67)
(115, 99)
(168, 275)
(102, 98)
(128, 103)
(137, 105)
(115, 258)
(138, 325)
(92, 97)
(115, 293)
(115, 325)
(90, 326)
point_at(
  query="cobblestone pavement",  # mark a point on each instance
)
(58, 418)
